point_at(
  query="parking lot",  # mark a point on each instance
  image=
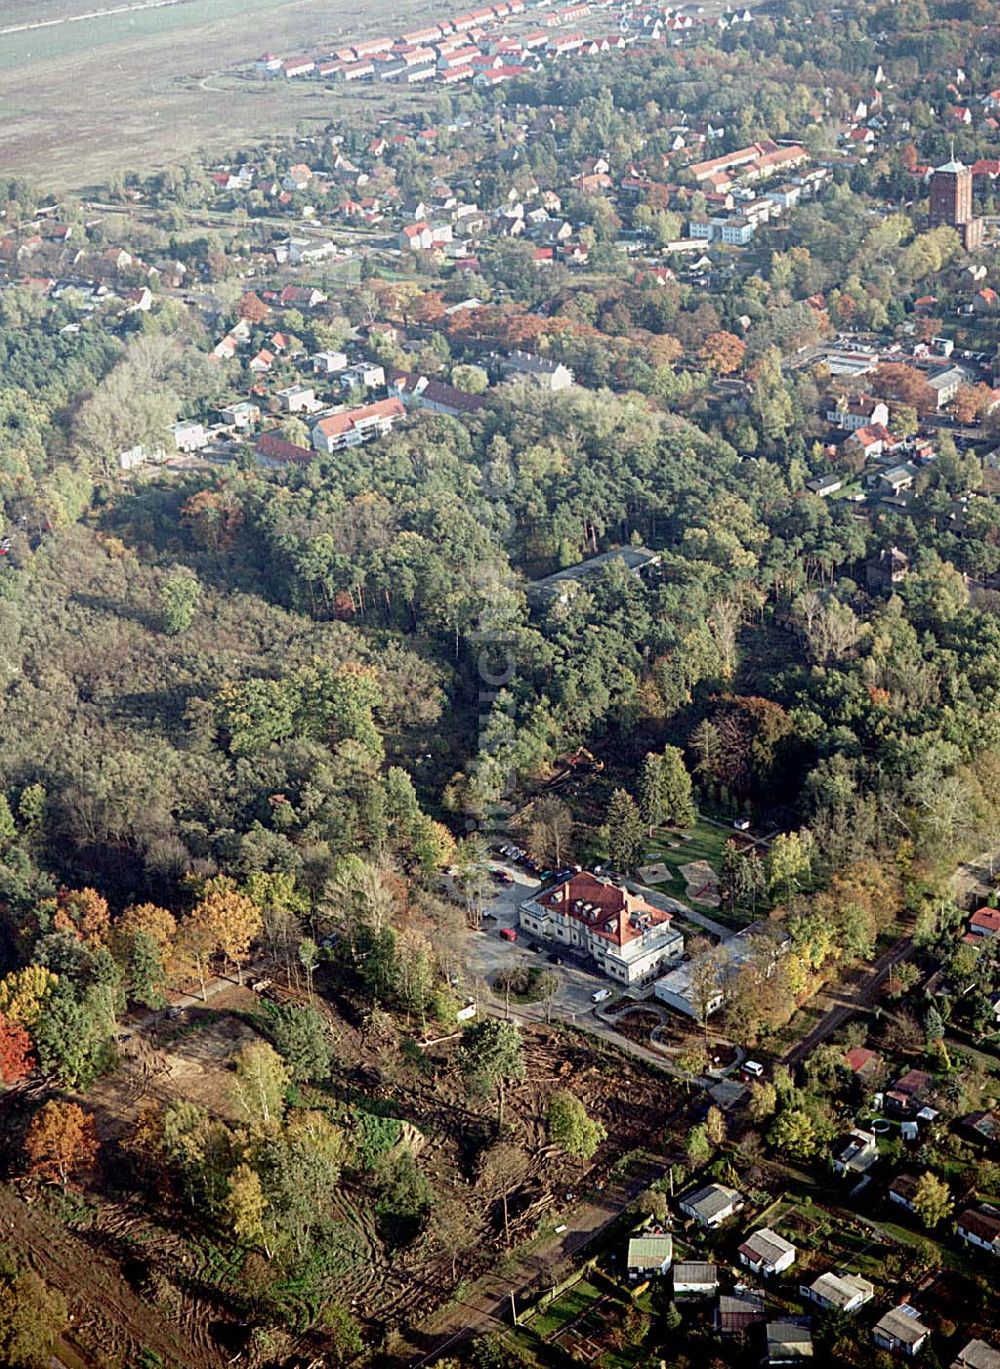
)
(488, 953)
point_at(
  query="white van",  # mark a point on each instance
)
(601, 996)
(754, 1067)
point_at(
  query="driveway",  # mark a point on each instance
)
(487, 953)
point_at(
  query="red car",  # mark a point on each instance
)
(508, 934)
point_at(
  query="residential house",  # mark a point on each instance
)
(301, 297)
(297, 177)
(844, 1292)
(712, 1205)
(738, 1313)
(861, 1061)
(363, 375)
(945, 384)
(857, 411)
(242, 415)
(355, 426)
(649, 1255)
(980, 1226)
(908, 1092)
(694, 1279)
(189, 435)
(890, 567)
(629, 938)
(977, 1355)
(138, 300)
(825, 485)
(328, 363)
(416, 237)
(856, 1153)
(902, 1191)
(271, 449)
(541, 371)
(767, 1253)
(419, 392)
(303, 251)
(788, 1342)
(737, 232)
(298, 399)
(897, 479)
(985, 922)
(262, 362)
(870, 440)
(984, 1126)
(900, 1330)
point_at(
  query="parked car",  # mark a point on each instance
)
(601, 996)
(554, 959)
(508, 933)
(502, 877)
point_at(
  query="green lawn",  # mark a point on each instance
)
(566, 1308)
(704, 841)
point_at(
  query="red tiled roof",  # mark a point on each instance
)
(988, 919)
(337, 424)
(913, 1081)
(276, 448)
(611, 907)
(858, 1058)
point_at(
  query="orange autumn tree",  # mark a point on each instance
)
(61, 1142)
(723, 352)
(972, 402)
(150, 920)
(232, 921)
(15, 1051)
(84, 914)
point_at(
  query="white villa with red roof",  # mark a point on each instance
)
(630, 940)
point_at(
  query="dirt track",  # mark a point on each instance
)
(111, 1324)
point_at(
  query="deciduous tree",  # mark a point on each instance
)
(723, 352)
(15, 1051)
(245, 1205)
(32, 1316)
(179, 599)
(61, 1142)
(793, 1133)
(261, 1081)
(571, 1128)
(932, 1200)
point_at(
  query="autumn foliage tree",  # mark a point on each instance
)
(723, 352)
(83, 913)
(904, 384)
(15, 1051)
(237, 923)
(61, 1142)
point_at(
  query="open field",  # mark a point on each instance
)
(141, 90)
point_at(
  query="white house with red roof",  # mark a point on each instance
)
(630, 940)
(983, 924)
